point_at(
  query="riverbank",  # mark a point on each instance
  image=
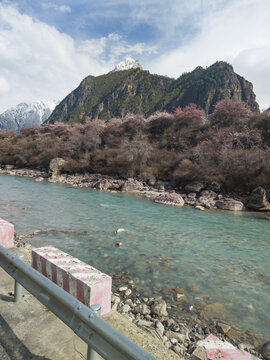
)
(29, 331)
(29, 204)
(156, 318)
(197, 195)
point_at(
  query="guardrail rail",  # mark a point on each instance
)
(83, 320)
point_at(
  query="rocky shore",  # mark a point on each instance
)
(180, 332)
(198, 195)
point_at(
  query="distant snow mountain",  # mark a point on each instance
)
(26, 114)
(128, 63)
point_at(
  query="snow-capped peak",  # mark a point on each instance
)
(26, 114)
(128, 63)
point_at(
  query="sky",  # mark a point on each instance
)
(48, 47)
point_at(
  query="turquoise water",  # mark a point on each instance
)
(217, 257)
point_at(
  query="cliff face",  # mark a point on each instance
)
(205, 87)
(137, 91)
(112, 95)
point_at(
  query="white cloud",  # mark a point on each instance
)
(238, 33)
(38, 61)
(61, 8)
(113, 47)
(4, 86)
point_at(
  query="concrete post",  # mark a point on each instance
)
(91, 354)
(18, 286)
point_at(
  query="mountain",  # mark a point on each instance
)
(128, 63)
(137, 91)
(26, 114)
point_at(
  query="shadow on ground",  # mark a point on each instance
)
(13, 347)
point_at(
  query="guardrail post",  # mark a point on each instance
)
(92, 354)
(17, 285)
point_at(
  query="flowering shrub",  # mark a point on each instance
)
(230, 147)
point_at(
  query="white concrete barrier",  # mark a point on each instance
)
(6, 234)
(84, 282)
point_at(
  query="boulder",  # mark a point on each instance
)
(257, 199)
(170, 199)
(159, 308)
(223, 328)
(56, 164)
(208, 194)
(266, 350)
(131, 185)
(230, 204)
(195, 187)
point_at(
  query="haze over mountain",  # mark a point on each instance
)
(130, 89)
(26, 114)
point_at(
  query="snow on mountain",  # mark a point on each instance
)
(26, 114)
(128, 63)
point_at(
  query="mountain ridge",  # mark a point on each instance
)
(26, 114)
(138, 91)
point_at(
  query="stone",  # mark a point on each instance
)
(125, 308)
(142, 309)
(115, 301)
(247, 347)
(122, 288)
(39, 179)
(119, 243)
(175, 335)
(128, 292)
(230, 204)
(159, 308)
(119, 231)
(131, 185)
(199, 207)
(223, 328)
(56, 164)
(195, 187)
(266, 350)
(170, 199)
(257, 199)
(209, 194)
(144, 323)
(159, 327)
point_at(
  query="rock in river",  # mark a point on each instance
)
(230, 204)
(258, 199)
(170, 199)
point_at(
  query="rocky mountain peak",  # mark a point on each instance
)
(128, 63)
(26, 114)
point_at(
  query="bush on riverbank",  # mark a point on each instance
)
(230, 147)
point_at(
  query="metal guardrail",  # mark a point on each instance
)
(100, 336)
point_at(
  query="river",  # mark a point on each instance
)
(215, 256)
